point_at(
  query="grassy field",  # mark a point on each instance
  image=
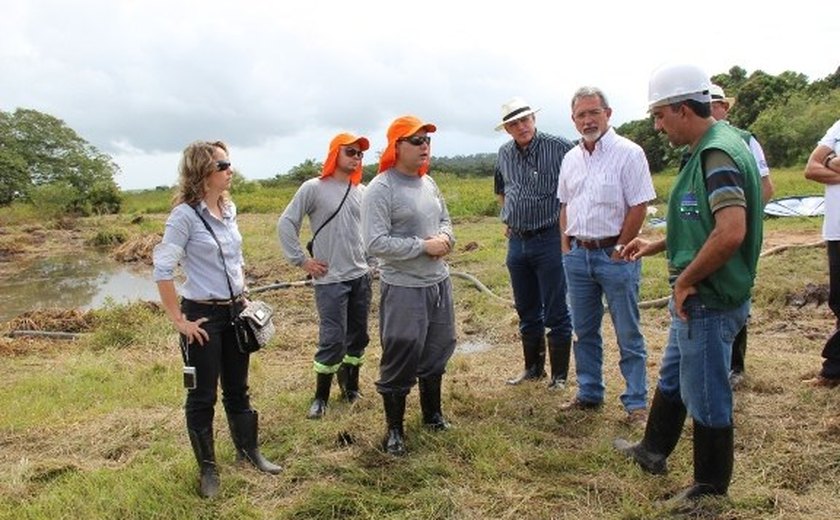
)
(94, 428)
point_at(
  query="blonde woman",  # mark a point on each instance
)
(202, 236)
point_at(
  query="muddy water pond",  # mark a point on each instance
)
(85, 281)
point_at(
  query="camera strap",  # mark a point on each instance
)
(185, 351)
(340, 204)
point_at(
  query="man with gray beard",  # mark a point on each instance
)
(604, 189)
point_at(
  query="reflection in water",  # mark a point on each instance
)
(84, 281)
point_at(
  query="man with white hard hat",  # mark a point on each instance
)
(713, 240)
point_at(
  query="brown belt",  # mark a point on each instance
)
(600, 243)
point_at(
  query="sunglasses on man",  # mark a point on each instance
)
(352, 152)
(417, 140)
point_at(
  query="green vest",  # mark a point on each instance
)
(690, 221)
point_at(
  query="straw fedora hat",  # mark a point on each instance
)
(515, 109)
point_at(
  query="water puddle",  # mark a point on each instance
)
(472, 347)
(82, 281)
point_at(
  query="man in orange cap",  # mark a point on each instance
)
(406, 225)
(336, 263)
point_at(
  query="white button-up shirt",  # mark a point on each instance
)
(599, 188)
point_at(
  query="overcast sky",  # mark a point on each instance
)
(276, 80)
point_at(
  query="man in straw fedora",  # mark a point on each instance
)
(526, 175)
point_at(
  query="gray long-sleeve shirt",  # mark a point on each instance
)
(339, 243)
(399, 212)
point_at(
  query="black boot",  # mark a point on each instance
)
(662, 431)
(348, 381)
(202, 445)
(243, 429)
(394, 442)
(559, 351)
(714, 454)
(533, 350)
(430, 403)
(322, 395)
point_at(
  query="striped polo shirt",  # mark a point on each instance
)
(527, 177)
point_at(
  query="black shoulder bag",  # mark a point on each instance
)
(312, 240)
(253, 327)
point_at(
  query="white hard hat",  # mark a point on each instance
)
(675, 83)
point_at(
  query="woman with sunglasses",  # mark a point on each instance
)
(202, 236)
(406, 225)
(336, 264)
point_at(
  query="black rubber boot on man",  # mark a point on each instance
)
(318, 409)
(662, 432)
(559, 351)
(533, 350)
(714, 455)
(348, 381)
(394, 441)
(430, 403)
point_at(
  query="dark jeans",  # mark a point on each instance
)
(831, 351)
(536, 271)
(217, 358)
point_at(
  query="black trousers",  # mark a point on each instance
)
(831, 351)
(218, 359)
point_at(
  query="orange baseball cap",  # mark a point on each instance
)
(402, 127)
(343, 139)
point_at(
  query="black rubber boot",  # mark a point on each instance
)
(348, 381)
(533, 350)
(394, 442)
(662, 431)
(430, 403)
(714, 454)
(559, 351)
(322, 395)
(243, 429)
(202, 445)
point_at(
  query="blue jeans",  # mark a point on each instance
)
(591, 275)
(539, 284)
(696, 361)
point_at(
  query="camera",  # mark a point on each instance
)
(189, 378)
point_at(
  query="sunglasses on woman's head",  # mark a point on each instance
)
(222, 165)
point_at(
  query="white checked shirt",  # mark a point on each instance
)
(599, 188)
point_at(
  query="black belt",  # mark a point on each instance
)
(216, 302)
(531, 233)
(600, 243)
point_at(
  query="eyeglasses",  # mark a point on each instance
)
(352, 152)
(222, 165)
(594, 113)
(417, 140)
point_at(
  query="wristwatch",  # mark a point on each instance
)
(828, 158)
(618, 248)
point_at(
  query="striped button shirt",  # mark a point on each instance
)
(527, 177)
(599, 188)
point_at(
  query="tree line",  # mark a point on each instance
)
(42, 160)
